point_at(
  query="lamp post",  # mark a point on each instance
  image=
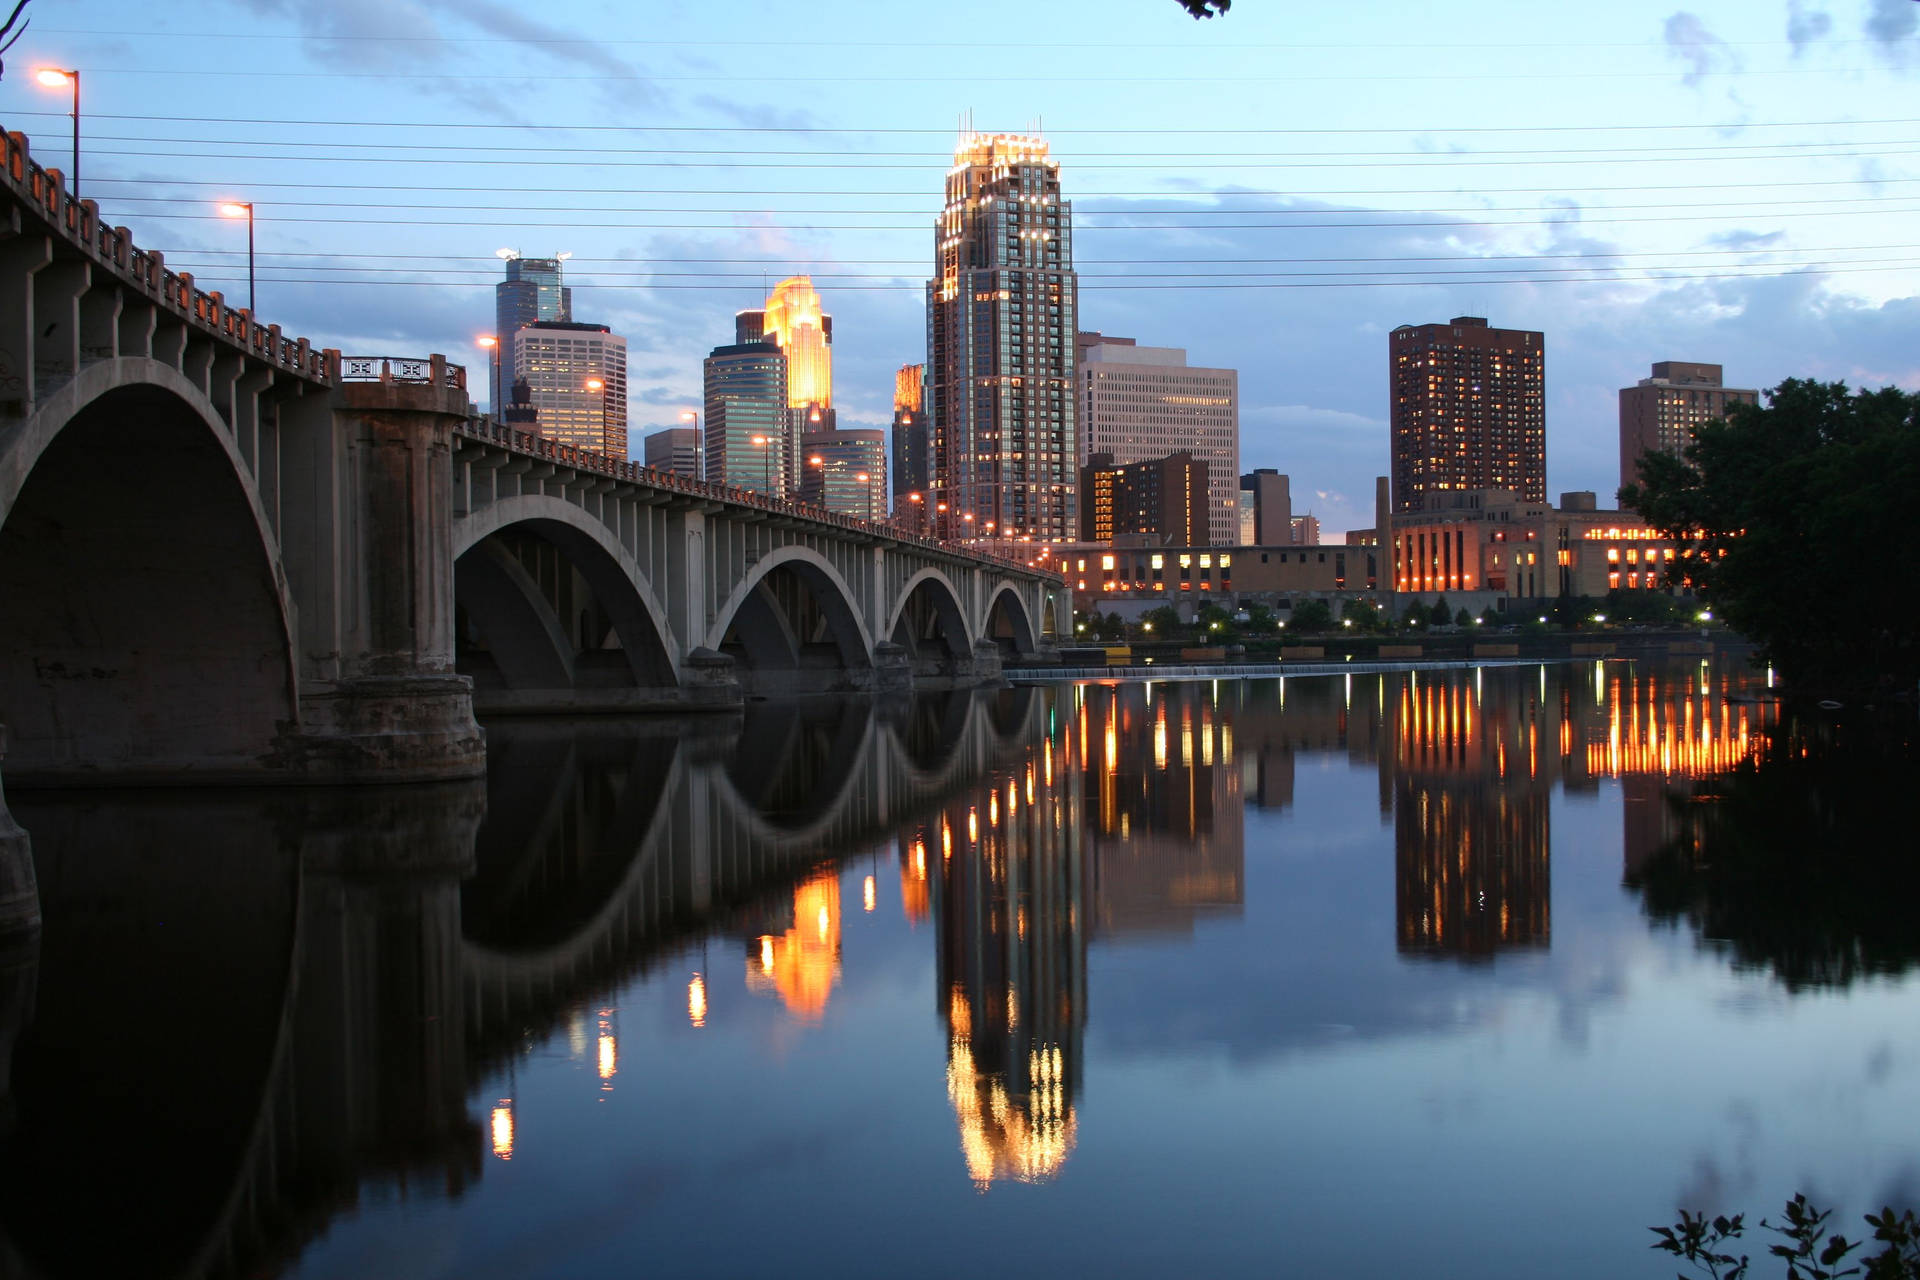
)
(492, 344)
(61, 78)
(866, 496)
(766, 465)
(699, 445)
(599, 386)
(244, 209)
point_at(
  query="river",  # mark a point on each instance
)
(1426, 973)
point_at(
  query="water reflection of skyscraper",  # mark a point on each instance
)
(1010, 904)
(1166, 831)
(1471, 827)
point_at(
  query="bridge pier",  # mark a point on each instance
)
(19, 892)
(380, 700)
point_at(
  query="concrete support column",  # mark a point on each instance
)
(393, 708)
(19, 891)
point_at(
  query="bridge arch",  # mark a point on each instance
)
(764, 630)
(1007, 622)
(533, 646)
(148, 627)
(929, 600)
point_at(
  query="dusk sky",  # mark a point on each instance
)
(1275, 189)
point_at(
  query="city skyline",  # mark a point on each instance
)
(1688, 153)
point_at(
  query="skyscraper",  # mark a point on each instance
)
(1163, 497)
(532, 291)
(675, 449)
(1468, 411)
(1660, 414)
(1001, 315)
(1138, 403)
(911, 473)
(561, 362)
(845, 471)
(746, 401)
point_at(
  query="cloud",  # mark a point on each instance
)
(1893, 25)
(1805, 26)
(354, 36)
(1704, 53)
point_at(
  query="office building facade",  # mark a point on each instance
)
(1001, 316)
(746, 407)
(1661, 413)
(1468, 411)
(845, 471)
(676, 449)
(1140, 402)
(533, 291)
(911, 446)
(1266, 509)
(560, 361)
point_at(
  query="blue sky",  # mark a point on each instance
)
(1274, 189)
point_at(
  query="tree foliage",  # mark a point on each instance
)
(1809, 1252)
(1799, 861)
(1205, 8)
(1310, 616)
(1805, 497)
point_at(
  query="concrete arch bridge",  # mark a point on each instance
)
(225, 555)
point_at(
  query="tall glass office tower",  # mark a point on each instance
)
(1000, 354)
(532, 291)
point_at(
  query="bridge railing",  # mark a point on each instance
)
(78, 221)
(539, 446)
(432, 371)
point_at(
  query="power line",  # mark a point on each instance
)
(936, 156)
(915, 286)
(1439, 161)
(947, 131)
(1548, 217)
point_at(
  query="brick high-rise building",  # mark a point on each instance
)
(1001, 313)
(1162, 497)
(1141, 402)
(1661, 413)
(1468, 411)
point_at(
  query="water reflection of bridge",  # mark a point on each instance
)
(385, 950)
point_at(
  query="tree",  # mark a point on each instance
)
(1489, 617)
(1259, 618)
(1463, 619)
(1440, 615)
(1415, 618)
(1364, 614)
(1205, 8)
(1311, 615)
(1163, 621)
(1779, 500)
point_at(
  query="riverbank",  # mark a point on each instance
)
(1366, 654)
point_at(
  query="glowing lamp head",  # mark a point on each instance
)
(53, 77)
(236, 209)
(487, 341)
(688, 415)
(595, 384)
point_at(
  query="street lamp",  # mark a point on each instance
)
(60, 78)
(766, 465)
(699, 445)
(600, 385)
(244, 209)
(492, 344)
(866, 497)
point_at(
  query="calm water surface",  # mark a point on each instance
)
(1362, 976)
